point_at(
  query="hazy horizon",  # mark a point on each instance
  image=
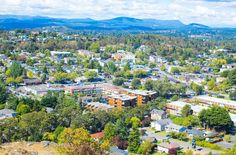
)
(214, 13)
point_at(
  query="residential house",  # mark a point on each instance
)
(157, 114)
(98, 136)
(86, 53)
(171, 127)
(7, 113)
(194, 133)
(169, 148)
(160, 125)
(33, 81)
(114, 150)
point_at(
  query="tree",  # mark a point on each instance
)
(145, 148)
(76, 141)
(196, 88)
(232, 95)
(175, 70)
(111, 67)
(216, 118)
(3, 94)
(149, 85)
(30, 74)
(136, 83)
(94, 47)
(135, 121)
(90, 74)
(22, 108)
(140, 74)
(174, 98)
(118, 81)
(121, 129)
(33, 125)
(109, 131)
(49, 100)
(211, 84)
(133, 140)
(186, 111)
(16, 70)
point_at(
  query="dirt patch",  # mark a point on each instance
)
(28, 148)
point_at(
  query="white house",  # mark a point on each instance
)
(169, 148)
(174, 128)
(157, 114)
(160, 125)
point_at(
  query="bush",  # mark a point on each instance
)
(180, 136)
(208, 145)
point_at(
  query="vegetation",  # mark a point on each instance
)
(216, 118)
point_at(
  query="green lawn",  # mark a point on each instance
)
(162, 133)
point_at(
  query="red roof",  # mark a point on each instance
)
(98, 135)
(168, 145)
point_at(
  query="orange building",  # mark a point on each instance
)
(121, 100)
(143, 96)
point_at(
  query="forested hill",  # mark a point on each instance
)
(120, 23)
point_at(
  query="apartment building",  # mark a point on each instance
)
(85, 90)
(143, 96)
(207, 101)
(175, 108)
(96, 106)
(121, 100)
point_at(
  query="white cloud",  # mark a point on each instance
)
(209, 12)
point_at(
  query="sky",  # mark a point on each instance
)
(215, 13)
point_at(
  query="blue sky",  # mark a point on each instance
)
(215, 13)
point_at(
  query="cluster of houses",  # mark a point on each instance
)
(114, 96)
(198, 103)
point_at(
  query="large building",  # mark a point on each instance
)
(121, 100)
(143, 96)
(175, 108)
(42, 89)
(207, 101)
(85, 90)
(96, 106)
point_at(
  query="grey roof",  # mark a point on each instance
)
(151, 139)
(163, 121)
(116, 151)
(174, 126)
(6, 111)
(195, 132)
(156, 111)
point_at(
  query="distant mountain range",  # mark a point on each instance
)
(127, 24)
(10, 22)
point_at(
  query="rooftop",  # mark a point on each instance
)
(214, 100)
(168, 145)
(141, 92)
(122, 97)
(99, 105)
